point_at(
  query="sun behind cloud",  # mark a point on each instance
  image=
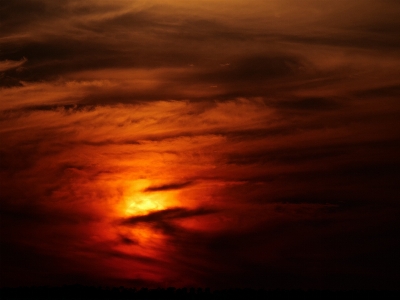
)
(137, 202)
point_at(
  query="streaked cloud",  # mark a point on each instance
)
(205, 143)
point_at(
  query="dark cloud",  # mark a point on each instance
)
(128, 241)
(167, 187)
(54, 57)
(14, 14)
(338, 151)
(332, 202)
(9, 70)
(288, 253)
(90, 45)
(113, 96)
(286, 155)
(22, 15)
(385, 91)
(253, 68)
(309, 104)
(209, 30)
(8, 81)
(61, 108)
(362, 40)
(32, 214)
(134, 21)
(167, 215)
(34, 263)
(139, 258)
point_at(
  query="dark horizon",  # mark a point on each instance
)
(171, 293)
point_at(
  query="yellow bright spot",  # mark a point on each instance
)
(137, 202)
(142, 204)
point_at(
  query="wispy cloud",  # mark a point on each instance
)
(200, 142)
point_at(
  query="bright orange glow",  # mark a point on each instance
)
(138, 202)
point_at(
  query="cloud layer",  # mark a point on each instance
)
(204, 143)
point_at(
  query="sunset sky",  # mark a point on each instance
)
(200, 143)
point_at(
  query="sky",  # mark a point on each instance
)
(200, 143)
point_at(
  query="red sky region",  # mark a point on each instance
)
(200, 143)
